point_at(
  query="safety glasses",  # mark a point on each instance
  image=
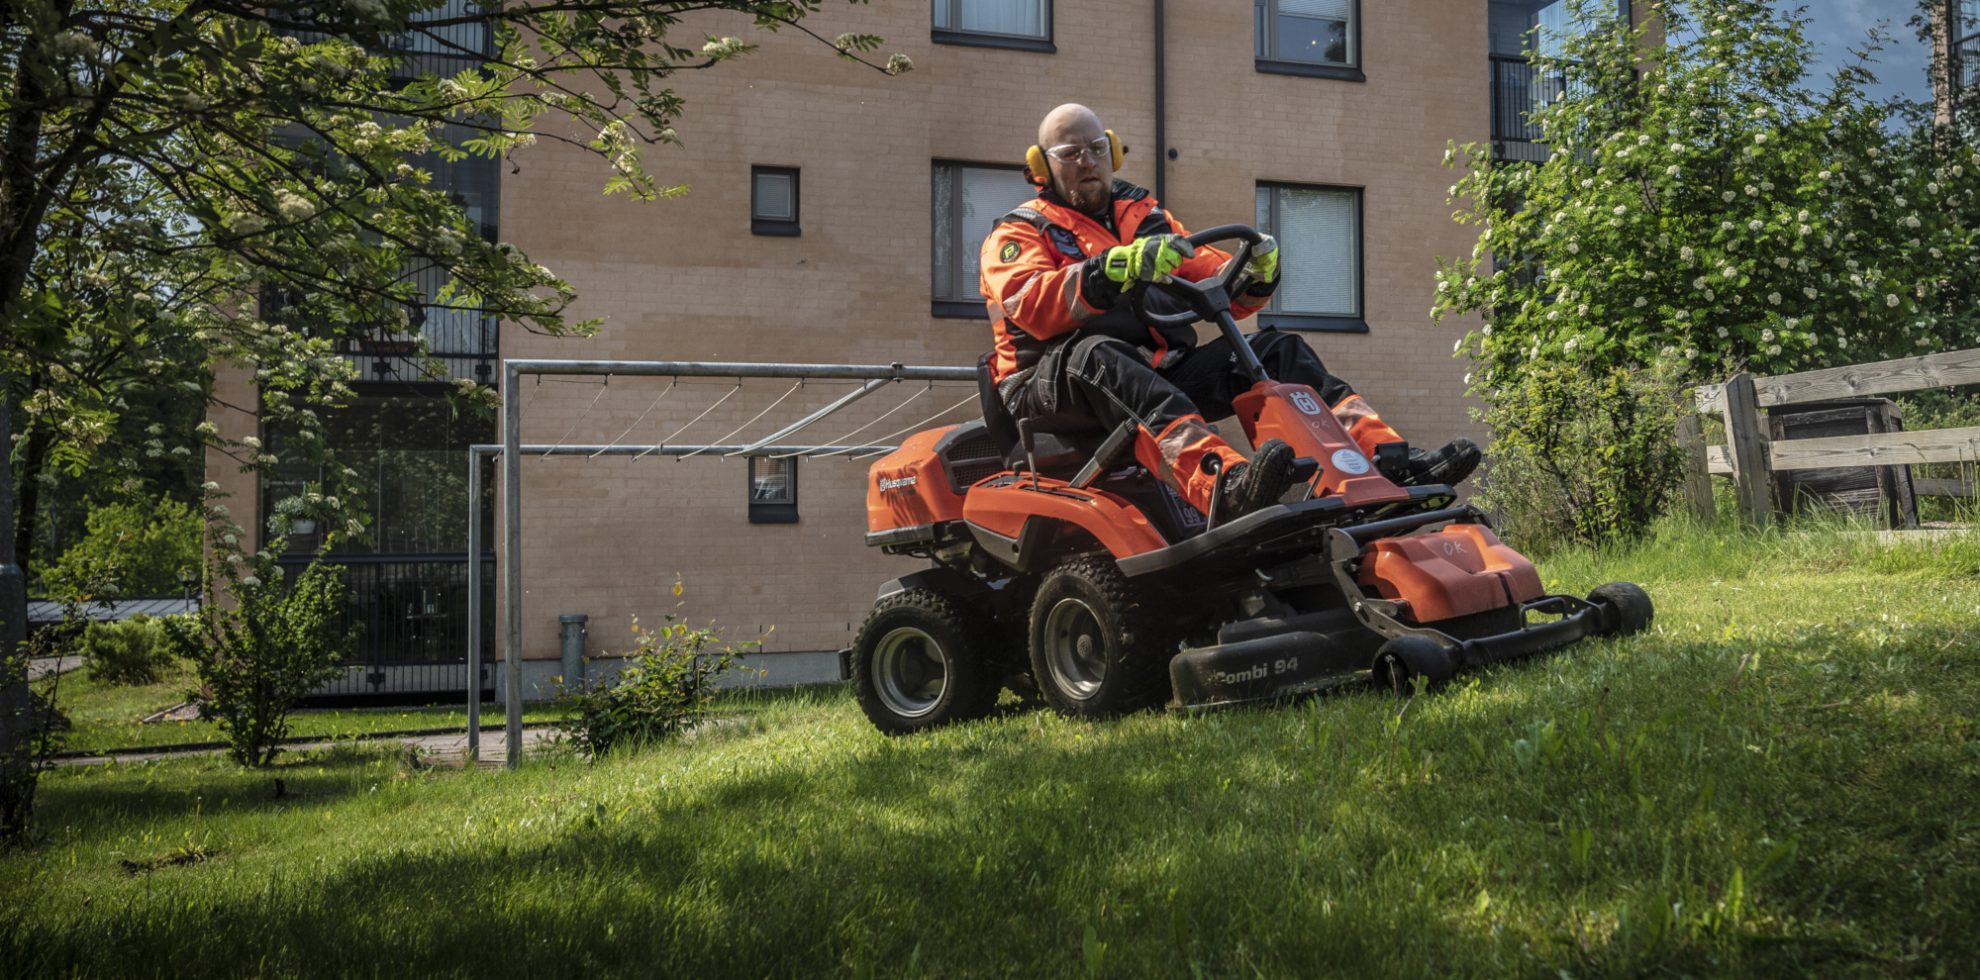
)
(1073, 152)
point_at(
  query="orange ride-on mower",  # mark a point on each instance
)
(1064, 570)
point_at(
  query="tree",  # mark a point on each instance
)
(166, 165)
(1702, 203)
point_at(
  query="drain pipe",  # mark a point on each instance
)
(1161, 111)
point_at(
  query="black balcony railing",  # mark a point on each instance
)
(412, 615)
(1517, 90)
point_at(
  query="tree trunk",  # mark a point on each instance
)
(34, 459)
(17, 763)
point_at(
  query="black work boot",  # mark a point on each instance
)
(1258, 484)
(1448, 466)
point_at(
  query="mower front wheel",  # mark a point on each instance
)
(917, 665)
(1404, 658)
(1094, 651)
(1626, 607)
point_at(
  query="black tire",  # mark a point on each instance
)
(917, 665)
(1626, 607)
(1095, 651)
(1402, 659)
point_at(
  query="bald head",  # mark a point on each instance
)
(1069, 123)
(1086, 181)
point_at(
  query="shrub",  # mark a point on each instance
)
(254, 659)
(126, 652)
(1582, 453)
(666, 684)
(129, 549)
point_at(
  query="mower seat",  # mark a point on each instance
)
(1058, 454)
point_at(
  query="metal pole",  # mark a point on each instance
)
(512, 554)
(474, 547)
(743, 369)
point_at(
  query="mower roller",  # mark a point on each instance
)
(1062, 569)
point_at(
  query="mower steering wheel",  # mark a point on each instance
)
(1206, 299)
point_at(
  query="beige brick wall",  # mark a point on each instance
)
(685, 280)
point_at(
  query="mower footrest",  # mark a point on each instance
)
(1261, 669)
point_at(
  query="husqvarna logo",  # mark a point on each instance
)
(1305, 403)
(898, 483)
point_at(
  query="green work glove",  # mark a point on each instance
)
(1264, 264)
(1149, 259)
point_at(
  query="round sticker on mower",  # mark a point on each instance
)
(1350, 462)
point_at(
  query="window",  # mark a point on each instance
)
(1023, 25)
(1319, 233)
(1309, 37)
(967, 199)
(773, 201)
(773, 490)
(1966, 45)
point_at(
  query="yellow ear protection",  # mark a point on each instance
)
(1039, 173)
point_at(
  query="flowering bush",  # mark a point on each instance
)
(1712, 210)
(666, 684)
(258, 655)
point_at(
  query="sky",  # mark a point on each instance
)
(1836, 25)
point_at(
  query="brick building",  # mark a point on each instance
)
(833, 216)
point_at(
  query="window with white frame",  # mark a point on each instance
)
(1325, 33)
(968, 199)
(1023, 24)
(1319, 233)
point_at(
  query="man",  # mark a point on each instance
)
(1070, 353)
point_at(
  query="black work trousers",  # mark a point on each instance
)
(1099, 382)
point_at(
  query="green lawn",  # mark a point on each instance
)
(107, 716)
(1779, 780)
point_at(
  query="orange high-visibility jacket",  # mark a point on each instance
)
(1042, 278)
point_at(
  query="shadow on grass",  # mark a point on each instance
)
(1532, 818)
(101, 801)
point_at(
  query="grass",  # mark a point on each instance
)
(108, 716)
(1778, 780)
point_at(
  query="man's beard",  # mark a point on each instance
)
(1093, 200)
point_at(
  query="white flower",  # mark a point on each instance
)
(1643, 140)
(1842, 343)
(1823, 175)
(1752, 190)
(1911, 221)
(1691, 353)
(1722, 331)
(1792, 323)
(1467, 377)
(1574, 248)
(1671, 171)
(1767, 335)
(1553, 315)
(1619, 210)
(1759, 137)
(1725, 226)
(251, 442)
(1932, 187)
(1686, 253)
(899, 64)
(1890, 299)
(293, 206)
(233, 559)
(1698, 283)
(722, 47)
(1781, 261)
(1727, 272)
(1640, 303)
(1810, 292)
(1803, 230)
(210, 487)
(1457, 345)
(248, 580)
(1766, 185)
(1727, 196)
(1677, 147)
(1773, 349)
(1486, 330)
(1937, 254)
(1773, 299)
(1755, 225)
(1571, 344)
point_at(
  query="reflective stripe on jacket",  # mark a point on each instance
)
(1042, 278)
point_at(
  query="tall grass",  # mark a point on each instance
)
(1777, 780)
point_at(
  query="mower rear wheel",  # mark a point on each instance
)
(1627, 607)
(1094, 651)
(1402, 659)
(916, 664)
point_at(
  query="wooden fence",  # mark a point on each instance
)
(1751, 459)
